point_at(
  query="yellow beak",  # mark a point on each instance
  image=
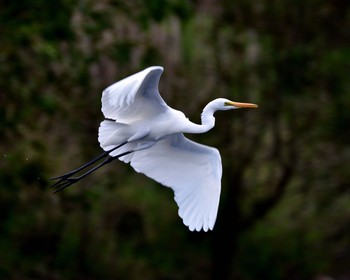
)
(241, 105)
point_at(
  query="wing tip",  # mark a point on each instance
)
(199, 227)
(157, 67)
(148, 69)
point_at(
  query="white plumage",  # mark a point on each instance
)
(192, 170)
(141, 129)
(134, 97)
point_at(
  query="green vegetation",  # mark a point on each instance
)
(285, 204)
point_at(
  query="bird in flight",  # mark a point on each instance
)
(141, 129)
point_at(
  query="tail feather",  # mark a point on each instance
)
(112, 134)
(109, 134)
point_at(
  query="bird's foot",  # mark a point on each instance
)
(64, 182)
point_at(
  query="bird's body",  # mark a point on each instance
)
(141, 129)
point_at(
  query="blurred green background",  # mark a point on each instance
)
(285, 205)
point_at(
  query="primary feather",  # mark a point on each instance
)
(192, 170)
(134, 97)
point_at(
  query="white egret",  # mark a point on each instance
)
(141, 129)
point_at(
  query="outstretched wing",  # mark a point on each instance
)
(134, 97)
(192, 170)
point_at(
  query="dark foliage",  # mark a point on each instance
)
(285, 204)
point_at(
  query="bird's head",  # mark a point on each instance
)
(224, 104)
(221, 104)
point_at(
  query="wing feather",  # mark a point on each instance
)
(134, 97)
(192, 170)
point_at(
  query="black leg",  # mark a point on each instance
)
(66, 180)
(104, 154)
(67, 175)
(64, 183)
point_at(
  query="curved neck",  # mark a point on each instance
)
(207, 117)
(208, 121)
